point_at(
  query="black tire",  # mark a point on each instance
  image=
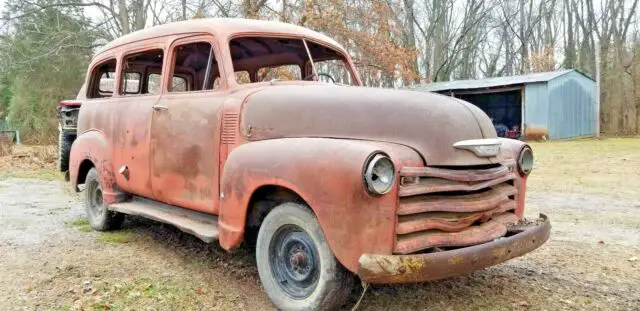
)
(296, 265)
(100, 218)
(65, 140)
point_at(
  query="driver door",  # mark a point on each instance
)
(185, 128)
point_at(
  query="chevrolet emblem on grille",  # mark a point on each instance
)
(481, 147)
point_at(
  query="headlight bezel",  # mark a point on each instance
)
(525, 161)
(371, 183)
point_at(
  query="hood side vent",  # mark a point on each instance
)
(229, 128)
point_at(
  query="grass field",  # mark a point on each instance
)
(598, 166)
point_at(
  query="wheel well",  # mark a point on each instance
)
(85, 166)
(262, 201)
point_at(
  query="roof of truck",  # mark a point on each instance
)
(221, 27)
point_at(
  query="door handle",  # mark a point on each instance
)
(159, 107)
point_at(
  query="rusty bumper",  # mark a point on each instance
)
(439, 265)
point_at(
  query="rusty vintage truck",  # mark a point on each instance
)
(261, 132)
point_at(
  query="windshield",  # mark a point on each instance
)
(266, 59)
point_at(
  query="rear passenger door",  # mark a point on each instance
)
(131, 117)
(185, 130)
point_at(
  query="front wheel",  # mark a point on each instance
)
(296, 265)
(100, 218)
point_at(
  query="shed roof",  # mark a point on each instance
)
(493, 82)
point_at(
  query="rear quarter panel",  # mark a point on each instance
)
(92, 146)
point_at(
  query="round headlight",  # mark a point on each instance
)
(525, 161)
(379, 174)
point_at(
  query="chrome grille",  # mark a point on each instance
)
(442, 207)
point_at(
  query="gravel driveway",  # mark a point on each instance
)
(49, 261)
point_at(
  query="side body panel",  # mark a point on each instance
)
(185, 139)
(327, 174)
(127, 128)
(124, 123)
(93, 146)
(124, 127)
(184, 153)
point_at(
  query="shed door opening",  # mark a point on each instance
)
(504, 108)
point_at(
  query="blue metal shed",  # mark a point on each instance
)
(562, 102)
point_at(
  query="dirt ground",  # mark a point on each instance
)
(51, 260)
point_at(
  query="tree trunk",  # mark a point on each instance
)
(123, 15)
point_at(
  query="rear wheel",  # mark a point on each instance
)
(65, 140)
(100, 218)
(296, 265)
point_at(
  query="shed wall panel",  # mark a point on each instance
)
(536, 105)
(571, 106)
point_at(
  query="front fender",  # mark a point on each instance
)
(510, 149)
(92, 146)
(327, 174)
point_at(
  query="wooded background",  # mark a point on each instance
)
(45, 45)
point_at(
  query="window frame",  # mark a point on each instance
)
(143, 81)
(92, 87)
(345, 57)
(194, 38)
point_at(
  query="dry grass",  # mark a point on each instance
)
(82, 224)
(118, 237)
(37, 162)
(135, 294)
(6, 148)
(608, 166)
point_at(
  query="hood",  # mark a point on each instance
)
(426, 122)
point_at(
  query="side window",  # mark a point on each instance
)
(132, 83)
(179, 84)
(102, 80)
(134, 66)
(153, 83)
(195, 68)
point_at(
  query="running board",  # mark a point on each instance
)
(204, 226)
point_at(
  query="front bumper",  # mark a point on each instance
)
(439, 265)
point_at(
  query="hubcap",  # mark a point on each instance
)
(294, 261)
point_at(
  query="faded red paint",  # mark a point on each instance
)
(210, 151)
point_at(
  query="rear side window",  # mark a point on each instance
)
(154, 80)
(106, 85)
(134, 67)
(102, 80)
(132, 83)
(153, 83)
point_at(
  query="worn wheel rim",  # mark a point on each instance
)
(96, 203)
(294, 261)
